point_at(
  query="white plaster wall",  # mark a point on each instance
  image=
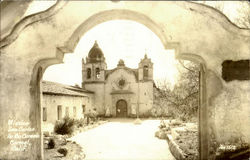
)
(232, 113)
(111, 85)
(98, 97)
(52, 101)
(146, 97)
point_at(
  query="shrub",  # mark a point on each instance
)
(162, 124)
(175, 123)
(51, 143)
(159, 112)
(66, 126)
(160, 135)
(153, 112)
(79, 122)
(91, 115)
(63, 151)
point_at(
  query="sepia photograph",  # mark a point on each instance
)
(124, 80)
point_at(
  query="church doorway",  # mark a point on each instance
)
(121, 108)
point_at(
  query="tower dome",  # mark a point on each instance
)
(95, 53)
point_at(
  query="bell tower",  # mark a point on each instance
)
(93, 70)
(145, 69)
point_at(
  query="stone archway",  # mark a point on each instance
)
(42, 39)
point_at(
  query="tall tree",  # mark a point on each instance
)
(182, 100)
(243, 20)
(239, 14)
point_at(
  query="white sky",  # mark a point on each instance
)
(118, 39)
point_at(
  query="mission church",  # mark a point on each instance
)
(119, 92)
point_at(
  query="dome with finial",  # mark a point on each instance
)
(95, 53)
(121, 63)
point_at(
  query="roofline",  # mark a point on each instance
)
(62, 94)
(125, 68)
(80, 90)
(69, 87)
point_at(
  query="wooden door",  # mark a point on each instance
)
(121, 108)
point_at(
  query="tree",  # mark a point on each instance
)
(182, 100)
(240, 16)
(243, 20)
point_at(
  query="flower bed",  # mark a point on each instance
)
(182, 138)
(188, 143)
(60, 147)
(175, 149)
(71, 150)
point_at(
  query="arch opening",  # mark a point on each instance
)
(121, 108)
(122, 105)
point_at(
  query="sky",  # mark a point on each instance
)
(118, 39)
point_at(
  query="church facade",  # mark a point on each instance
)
(119, 92)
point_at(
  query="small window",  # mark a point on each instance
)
(236, 70)
(145, 71)
(67, 112)
(98, 73)
(59, 112)
(88, 73)
(74, 111)
(83, 108)
(44, 114)
(122, 83)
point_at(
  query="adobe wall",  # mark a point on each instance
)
(146, 97)
(51, 102)
(195, 31)
(98, 97)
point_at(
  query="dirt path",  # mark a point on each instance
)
(123, 140)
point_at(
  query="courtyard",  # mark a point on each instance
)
(122, 139)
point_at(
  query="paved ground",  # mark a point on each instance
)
(121, 139)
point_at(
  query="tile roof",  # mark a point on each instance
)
(53, 88)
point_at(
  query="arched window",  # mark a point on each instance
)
(145, 71)
(97, 73)
(88, 73)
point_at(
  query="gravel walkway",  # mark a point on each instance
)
(121, 139)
